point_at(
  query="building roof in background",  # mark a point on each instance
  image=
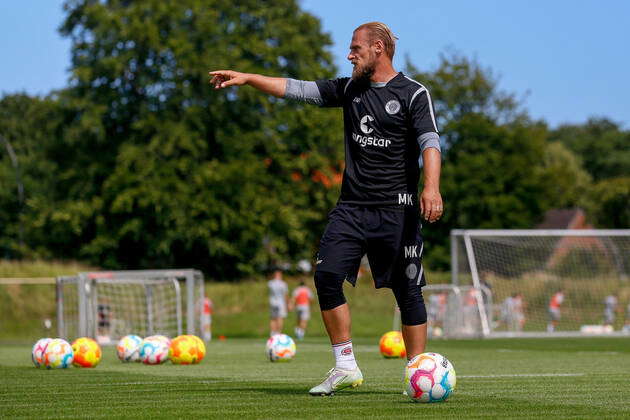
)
(564, 219)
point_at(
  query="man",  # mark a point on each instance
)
(554, 310)
(301, 300)
(519, 312)
(514, 312)
(507, 311)
(104, 321)
(610, 307)
(206, 319)
(389, 124)
(436, 312)
(278, 299)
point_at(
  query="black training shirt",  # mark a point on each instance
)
(383, 124)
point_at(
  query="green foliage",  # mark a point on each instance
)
(608, 203)
(567, 181)
(28, 125)
(601, 144)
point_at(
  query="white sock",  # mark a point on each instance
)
(344, 355)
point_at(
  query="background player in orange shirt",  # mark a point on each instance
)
(301, 298)
(554, 310)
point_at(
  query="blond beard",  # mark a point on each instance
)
(363, 74)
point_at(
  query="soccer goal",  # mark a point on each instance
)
(452, 310)
(541, 282)
(108, 305)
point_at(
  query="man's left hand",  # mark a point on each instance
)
(431, 205)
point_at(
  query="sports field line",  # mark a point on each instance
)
(522, 375)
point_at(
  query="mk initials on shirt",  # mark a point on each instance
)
(405, 199)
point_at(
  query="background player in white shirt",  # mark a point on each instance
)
(278, 300)
(610, 309)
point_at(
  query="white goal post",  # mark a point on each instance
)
(544, 282)
(108, 305)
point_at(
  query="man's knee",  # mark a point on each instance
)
(329, 289)
(411, 304)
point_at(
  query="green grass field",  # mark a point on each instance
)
(515, 378)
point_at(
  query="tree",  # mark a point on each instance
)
(608, 203)
(28, 127)
(600, 143)
(567, 181)
(160, 170)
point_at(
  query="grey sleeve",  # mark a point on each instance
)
(303, 91)
(427, 140)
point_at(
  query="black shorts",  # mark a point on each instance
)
(390, 236)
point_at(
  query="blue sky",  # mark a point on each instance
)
(569, 59)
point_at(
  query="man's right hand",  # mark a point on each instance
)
(225, 78)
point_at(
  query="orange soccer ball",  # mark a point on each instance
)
(87, 352)
(392, 345)
(186, 350)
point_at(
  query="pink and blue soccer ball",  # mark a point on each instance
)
(58, 354)
(37, 353)
(153, 351)
(429, 377)
(280, 348)
(159, 337)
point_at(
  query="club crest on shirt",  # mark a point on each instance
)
(392, 107)
(411, 271)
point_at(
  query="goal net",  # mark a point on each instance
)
(111, 304)
(539, 282)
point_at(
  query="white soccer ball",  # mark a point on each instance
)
(37, 353)
(280, 348)
(58, 354)
(429, 377)
(128, 348)
(153, 351)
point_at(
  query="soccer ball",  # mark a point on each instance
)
(37, 354)
(87, 352)
(280, 348)
(186, 350)
(128, 348)
(201, 348)
(160, 338)
(392, 345)
(58, 354)
(429, 377)
(153, 351)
